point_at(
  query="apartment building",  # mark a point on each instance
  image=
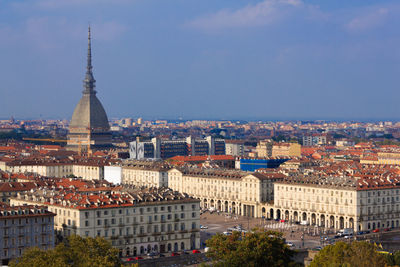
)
(314, 139)
(158, 148)
(89, 169)
(23, 227)
(338, 202)
(154, 175)
(286, 150)
(264, 148)
(233, 148)
(236, 192)
(136, 220)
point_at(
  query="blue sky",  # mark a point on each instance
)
(224, 59)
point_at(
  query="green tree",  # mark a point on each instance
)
(75, 251)
(343, 254)
(259, 248)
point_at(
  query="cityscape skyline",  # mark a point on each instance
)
(232, 58)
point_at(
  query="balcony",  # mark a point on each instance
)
(141, 235)
(114, 237)
(183, 231)
(156, 233)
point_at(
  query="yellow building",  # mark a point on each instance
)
(286, 150)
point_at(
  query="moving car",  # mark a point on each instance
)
(195, 251)
(175, 254)
(375, 231)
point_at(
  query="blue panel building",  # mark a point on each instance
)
(254, 164)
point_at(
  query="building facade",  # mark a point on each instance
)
(23, 227)
(227, 191)
(158, 148)
(136, 221)
(338, 202)
(286, 150)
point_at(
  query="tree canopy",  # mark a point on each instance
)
(259, 248)
(74, 251)
(344, 254)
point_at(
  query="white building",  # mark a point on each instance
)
(136, 221)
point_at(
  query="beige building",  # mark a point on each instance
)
(338, 202)
(264, 148)
(137, 221)
(236, 192)
(286, 150)
(88, 170)
(145, 175)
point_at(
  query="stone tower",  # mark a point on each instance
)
(89, 129)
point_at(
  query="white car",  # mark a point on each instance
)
(290, 244)
(203, 227)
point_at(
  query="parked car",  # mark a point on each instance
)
(152, 254)
(387, 229)
(175, 254)
(130, 259)
(375, 231)
(138, 258)
(290, 244)
(162, 255)
(195, 251)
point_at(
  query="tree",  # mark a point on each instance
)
(258, 248)
(357, 253)
(75, 251)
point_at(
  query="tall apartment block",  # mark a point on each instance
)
(22, 227)
(158, 148)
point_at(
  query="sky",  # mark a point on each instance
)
(203, 59)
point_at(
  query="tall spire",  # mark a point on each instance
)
(89, 81)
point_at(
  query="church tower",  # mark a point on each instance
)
(89, 129)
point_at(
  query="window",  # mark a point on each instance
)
(86, 223)
(193, 214)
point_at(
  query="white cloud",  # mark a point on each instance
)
(263, 13)
(370, 20)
